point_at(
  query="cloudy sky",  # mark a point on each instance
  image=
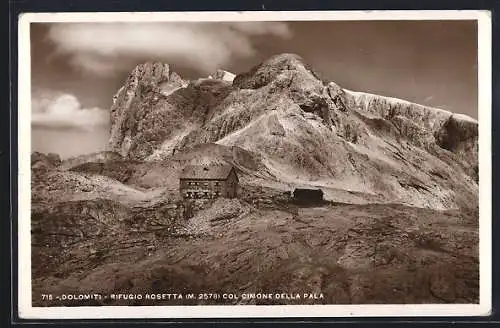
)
(77, 68)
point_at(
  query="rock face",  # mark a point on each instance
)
(305, 130)
(223, 75)
(156, 108)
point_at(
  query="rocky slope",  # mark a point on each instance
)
(258, 243)
(305, 131)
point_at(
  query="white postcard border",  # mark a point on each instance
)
(26, 311)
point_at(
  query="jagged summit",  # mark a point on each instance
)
(270, 69)
(223, 75)
(284, 59)
(154, 69)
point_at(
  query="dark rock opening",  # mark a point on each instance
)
(308, 196)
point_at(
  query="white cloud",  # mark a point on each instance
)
(261, 28)
(64, 111)
(105, 48)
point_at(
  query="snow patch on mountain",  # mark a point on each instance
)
(364, 99)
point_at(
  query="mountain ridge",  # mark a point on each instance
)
(306, 128)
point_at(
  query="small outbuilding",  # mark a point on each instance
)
(208, 181)
(307, 196)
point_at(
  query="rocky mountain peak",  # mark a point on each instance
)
(284, 60)
(156, 71)
(146, 83)
(270, 70)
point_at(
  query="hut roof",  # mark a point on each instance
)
(206, 172)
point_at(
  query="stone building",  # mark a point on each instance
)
(208, 181)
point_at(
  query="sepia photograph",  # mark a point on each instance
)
(254, 164)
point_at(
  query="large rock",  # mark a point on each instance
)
(223, 75)
(44, 161)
